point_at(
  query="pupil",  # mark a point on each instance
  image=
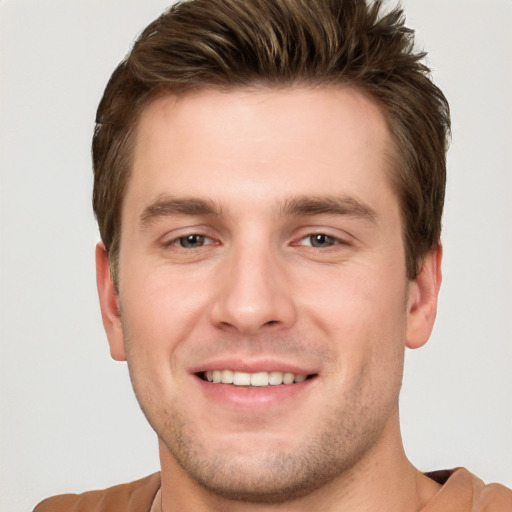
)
(192, 241)
(320, 240)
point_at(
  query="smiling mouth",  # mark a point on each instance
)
(258, 379)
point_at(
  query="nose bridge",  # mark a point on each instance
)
(253, 294)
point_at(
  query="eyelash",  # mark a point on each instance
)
(186, 242)
(332, 240)
(181, 241)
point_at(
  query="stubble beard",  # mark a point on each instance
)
(273, 477)
(343, 439)
(345, 434)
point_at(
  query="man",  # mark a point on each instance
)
(269, 185)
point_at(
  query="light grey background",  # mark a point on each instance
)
(68, 419)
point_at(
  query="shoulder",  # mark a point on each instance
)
(495, 498)
(134, 496)
(468, 492)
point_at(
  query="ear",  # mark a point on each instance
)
(422, 300)
(109, 304)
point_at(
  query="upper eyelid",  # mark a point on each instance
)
(184, 231)
(213, 234)
(176, 239)
(337, 239)
(336, 233)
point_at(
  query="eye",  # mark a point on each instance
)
(319, 240)
(192, 241)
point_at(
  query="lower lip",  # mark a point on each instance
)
(251, 397)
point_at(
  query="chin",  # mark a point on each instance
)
(269, 471)
(270, 476)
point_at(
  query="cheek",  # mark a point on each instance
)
(159, 313)
(356, 299)
(162, 302)
(363, 315)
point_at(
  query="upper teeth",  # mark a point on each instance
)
(253, 379)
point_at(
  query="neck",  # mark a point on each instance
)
(383, 480)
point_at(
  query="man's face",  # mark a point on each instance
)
(261, 242)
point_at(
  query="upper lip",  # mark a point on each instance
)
(247, 365)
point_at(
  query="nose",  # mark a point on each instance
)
(253, 293)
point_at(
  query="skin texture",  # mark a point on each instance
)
(257, 174)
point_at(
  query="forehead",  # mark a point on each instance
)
(274, 141)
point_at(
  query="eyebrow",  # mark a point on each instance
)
(299, 206)
(166, 206)
(333, 205)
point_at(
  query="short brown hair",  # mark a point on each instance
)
(227, 44)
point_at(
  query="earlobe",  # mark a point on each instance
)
(422, 302)
(109, 304)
